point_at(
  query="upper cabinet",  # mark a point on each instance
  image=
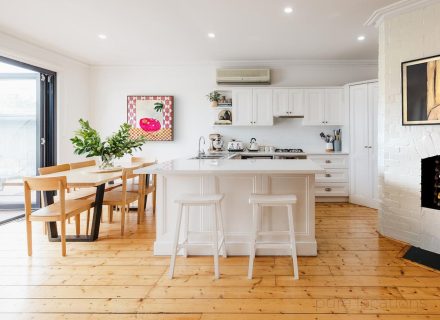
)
(242, 107)
(258, 106)
(262, 109)
(323, 107)
(252, 107)
(288, 102)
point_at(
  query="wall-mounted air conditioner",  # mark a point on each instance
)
(243, 76)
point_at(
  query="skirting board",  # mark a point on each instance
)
(331, 199)
(237, 249)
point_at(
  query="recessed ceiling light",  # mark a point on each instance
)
(361, 38)
(211, 35)
(102, 36)
(288, 10)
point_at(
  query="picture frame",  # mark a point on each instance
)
(421, 91)
(151, 117)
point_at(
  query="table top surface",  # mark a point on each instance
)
(90, 177)
(220, 166)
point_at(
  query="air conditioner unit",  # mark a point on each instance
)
(243, 76)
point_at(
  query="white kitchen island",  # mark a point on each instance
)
(236, 179)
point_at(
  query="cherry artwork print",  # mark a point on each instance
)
(151, 117)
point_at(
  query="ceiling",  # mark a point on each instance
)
(164, 31)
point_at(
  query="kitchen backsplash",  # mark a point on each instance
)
(286, 133)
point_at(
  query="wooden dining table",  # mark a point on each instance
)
(85, 178)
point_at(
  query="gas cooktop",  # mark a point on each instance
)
(289, 150)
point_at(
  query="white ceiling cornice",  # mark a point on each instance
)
(247, 63)
(395, 9)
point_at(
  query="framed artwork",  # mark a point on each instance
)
(151, 116)
(421, 91)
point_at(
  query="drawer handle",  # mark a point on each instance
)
(328, 189)
(328, 175)
(328, 161)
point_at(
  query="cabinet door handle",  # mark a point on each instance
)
(328, 161)
(328, 175)
(328, 189)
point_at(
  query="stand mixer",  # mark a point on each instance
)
(216, 142)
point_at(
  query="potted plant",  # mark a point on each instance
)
(88, 142)
(214, 97)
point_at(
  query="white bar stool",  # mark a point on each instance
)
(185, 201)
(276, 200)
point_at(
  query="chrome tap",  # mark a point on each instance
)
(201, 152)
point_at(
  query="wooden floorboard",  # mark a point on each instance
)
(357, 275)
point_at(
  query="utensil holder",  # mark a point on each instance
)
(337, 145)
(329, 147)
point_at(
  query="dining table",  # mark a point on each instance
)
(88, 177)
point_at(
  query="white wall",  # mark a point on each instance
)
(406, 37)
(72, 91)
(190, 83)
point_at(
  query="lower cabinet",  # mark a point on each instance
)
(334, 182)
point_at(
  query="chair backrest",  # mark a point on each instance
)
(58, 184)
(54, 169)
(145, 162)
(83, 164)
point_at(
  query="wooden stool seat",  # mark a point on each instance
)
(185, 201)
(270, 200)
(281, 199)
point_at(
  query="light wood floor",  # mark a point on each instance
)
(356, 275)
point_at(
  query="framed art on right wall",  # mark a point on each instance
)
(421, 91)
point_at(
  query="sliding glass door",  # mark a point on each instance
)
(27, 130)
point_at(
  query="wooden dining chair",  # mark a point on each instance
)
(82, 164)
(120, 197)
(86, 192)
(59, 211)
(70, 195)
(151, 188)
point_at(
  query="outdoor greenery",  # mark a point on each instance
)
(87, 141)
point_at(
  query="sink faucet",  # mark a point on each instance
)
(201, 152)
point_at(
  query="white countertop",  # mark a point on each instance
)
(262, 166)
(280, 154)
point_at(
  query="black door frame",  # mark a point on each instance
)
(47, 117)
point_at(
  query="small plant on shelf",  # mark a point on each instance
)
(214, 97)
(87, 141)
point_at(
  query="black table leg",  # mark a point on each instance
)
(52, 232)
(99, 198)
(52, 226)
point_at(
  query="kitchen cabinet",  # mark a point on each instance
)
(363, 144)
(288, 102)
(324, 107)
(252, 107)
(335, 181)
(242, 107)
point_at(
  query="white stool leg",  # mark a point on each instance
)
(253, 239)
(219, 216)
(215, 245)
(292, 241)
(185, 231)
(176, 241)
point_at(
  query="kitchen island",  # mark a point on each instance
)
(236, 179)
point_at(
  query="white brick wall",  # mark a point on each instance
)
(401, 38)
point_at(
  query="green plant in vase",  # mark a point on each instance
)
(87, 141)
(214, 97)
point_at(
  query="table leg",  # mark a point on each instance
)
(52, 226)
(97, 212)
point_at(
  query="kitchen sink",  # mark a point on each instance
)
(209, 156)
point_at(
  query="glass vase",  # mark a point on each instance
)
(107, 161)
